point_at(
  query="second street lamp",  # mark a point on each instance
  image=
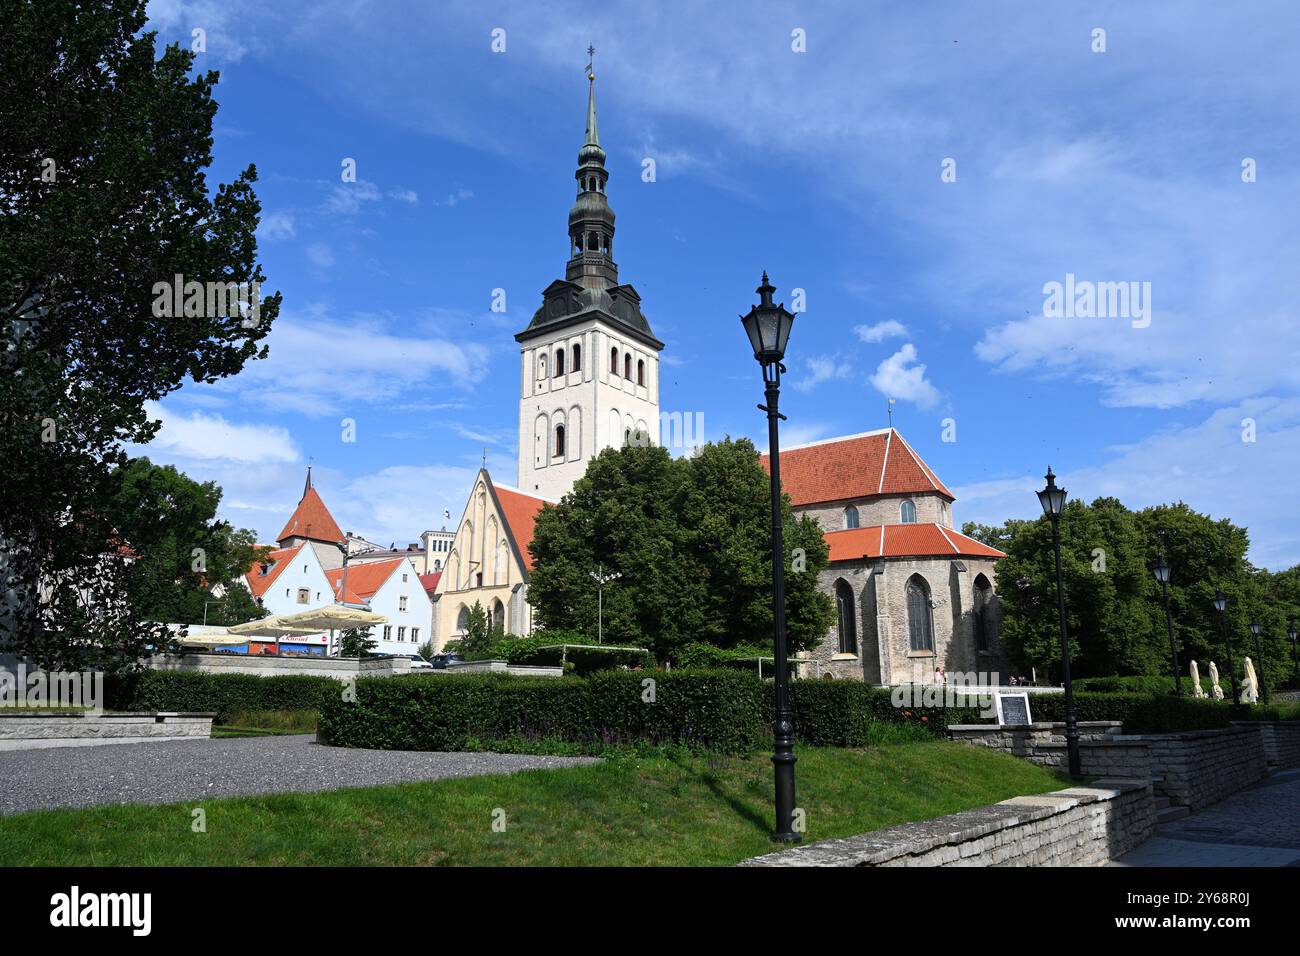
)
(1161, 571)
(1257, 630)
(1052, 499)
(1221, 605)
(768, 327)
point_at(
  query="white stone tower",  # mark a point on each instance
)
(590, 364)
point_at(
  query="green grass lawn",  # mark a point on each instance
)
(621, 812)
(260, 723)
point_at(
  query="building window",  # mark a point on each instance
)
(559, 361)
(627, 366)
(577, 358)
(541, 367)
(304, 596)
(983, 613)
(850, 517)
(401, 603)
(943, 514)
(848, 625)
(403, 578)
(920, 624)
(388, 632)
(613, 360)
(401, 633)
(640, 372)
(907, 512)
(559, 441)
(462, 620)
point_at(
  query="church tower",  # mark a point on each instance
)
(590, 364)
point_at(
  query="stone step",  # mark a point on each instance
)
(1161, 802)
(1169, 814)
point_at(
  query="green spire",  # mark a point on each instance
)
(592, 138)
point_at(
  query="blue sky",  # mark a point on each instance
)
(822, 167)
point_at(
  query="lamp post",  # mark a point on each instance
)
(601, 579)
(1295, 659)
(1257, 630)
(1221, 605)
(1052, 499)
(1161, 571)
(768, 327)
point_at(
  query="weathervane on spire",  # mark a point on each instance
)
(591, 63)
(891, 412)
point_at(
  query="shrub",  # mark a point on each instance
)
(1141, 713)
(702, 710)
(1139, 684)
(742, 657)
(542, 650)
(226, 694)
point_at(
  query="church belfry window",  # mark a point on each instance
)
(577, 358)
(613, 360)
(559, 361)
(627, 366)
(559, 441)
(640, 371)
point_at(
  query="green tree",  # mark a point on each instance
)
(103, 195)
(690, 539)
(356, 642)
(476, 642)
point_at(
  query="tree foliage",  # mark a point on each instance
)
(103, 194)
(690, 539)
(1114, 607)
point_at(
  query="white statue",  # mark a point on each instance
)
(1250, 685)
(1196, 680)
(1215, 690)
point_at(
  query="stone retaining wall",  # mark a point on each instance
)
(1101, 753)
(340, 668)
(1081, 826)
(37, 730)
(1199, 768)
(1281, 741)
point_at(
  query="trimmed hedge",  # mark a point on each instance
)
(1139, 685)
(702, 710)
(226, 694)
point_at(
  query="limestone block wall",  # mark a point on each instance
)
(1101, 754)
(1281, 739)
(1200, 768)
(881, 509)
(340, 668)
(1081, 826)
(37, 730)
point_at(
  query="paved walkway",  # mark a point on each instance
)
(1256, 827)
(182, 770)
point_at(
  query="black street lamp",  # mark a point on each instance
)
(1221, 605)
(1052, 499)
(768, 327)
(1295, 659)
(1161, 571)
(1257, 630)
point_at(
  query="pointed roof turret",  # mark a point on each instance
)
(310, 521)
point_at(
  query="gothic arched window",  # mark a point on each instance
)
(848, 627)
(983, 612)
(577, 358)
(559, 441)
(850, 517)
(613, 360)
(559, 361)
(640, 371)
(907, 512)
(627, 366)
(462, 620)
(920, 623)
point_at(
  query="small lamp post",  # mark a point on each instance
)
(768, 327)
(1257, 629)
(1161, 571)
(1052, 499)
(1221, 605)
(1295, 659)
(601, 579)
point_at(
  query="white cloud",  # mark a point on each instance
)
(822, 369)
(888, 329)
(277, 225)
(901, 376)
(211, 437)
(397, 503)
(320, 255)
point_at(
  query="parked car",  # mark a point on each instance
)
(440, 661)
(418, 663)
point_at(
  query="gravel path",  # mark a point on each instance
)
(180, 770)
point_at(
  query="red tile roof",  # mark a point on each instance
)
(312, 520)
(857, 466)
(430, 582)
(364, 579)
(275, 562)
(520, 513)
(905, 541)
